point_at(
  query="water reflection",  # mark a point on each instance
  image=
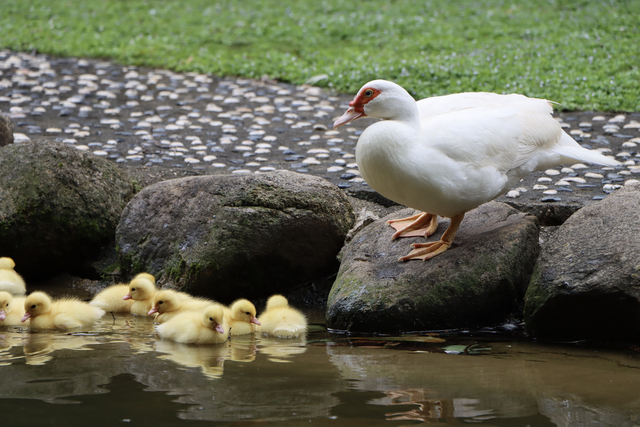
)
(329, 379)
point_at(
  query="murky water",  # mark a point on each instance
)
(120, 372)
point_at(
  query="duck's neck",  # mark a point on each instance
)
(400, 107)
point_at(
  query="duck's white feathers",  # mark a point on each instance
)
(447, 155)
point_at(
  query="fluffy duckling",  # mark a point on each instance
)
(142, 289)
(11, 309)
(280, 320)
(10, 281)
(241, 317)
(193, 327)
(66, 313)
(169, 303)
(111, 299)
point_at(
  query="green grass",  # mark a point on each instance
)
(584, 54)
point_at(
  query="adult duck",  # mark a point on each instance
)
(449, 154)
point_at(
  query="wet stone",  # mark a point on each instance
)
(348, 176)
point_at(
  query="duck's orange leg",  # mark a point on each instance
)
(425, 251)
(421, 225)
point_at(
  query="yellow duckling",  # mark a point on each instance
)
(111, 299)
(280, 320)
(241, 317)
(10, 281)
(66, 313)
(11, 309)
(142, 289)
(169, 303)
(193, 327)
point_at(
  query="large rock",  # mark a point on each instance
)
(231, 236)
(58, 206)
(6, 131)
(586, 284)
(480, 280)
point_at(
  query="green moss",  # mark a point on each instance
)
(536, 295)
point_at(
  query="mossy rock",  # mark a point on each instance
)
(586, 285)
(479, 281)
(6, 131)
(232, 236)
(58, 206)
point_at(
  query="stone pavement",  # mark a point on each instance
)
(159, 124)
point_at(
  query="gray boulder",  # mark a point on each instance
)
(6, 131)
(586, 284)
(58, 206)
(480, 280)
(232, 236)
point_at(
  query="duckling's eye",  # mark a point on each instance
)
(160, 302)
(33, 306)
(211, 319)
(246, 312)
(133, 289)
(368, 93)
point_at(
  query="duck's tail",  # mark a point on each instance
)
(572, 151)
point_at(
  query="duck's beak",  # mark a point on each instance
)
(219, 328)
(26, 316)
(254, 320)
(154, 310)
(3, 315)
(126, 297)
(350, 115)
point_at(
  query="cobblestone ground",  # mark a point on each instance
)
(158, 124)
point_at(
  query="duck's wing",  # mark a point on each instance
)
(505, 135)
(462, 101)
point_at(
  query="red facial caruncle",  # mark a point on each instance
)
(356, 107)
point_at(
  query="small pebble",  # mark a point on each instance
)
(593, 175)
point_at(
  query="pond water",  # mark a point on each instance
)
(119, 371)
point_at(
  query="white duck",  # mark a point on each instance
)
(449, 154)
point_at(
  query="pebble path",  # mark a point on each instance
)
(166, 124)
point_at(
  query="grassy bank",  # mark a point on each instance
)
(584, 54)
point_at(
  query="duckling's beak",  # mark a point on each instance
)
(154, 310)
(26, 316)
(219, 328)
(254, 320)
(126, 297)
(3, 315)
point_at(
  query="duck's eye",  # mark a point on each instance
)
(33, 306)
(210, 318)
(246, 312)
(133, 289)
(368, 93)
(160, 302)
